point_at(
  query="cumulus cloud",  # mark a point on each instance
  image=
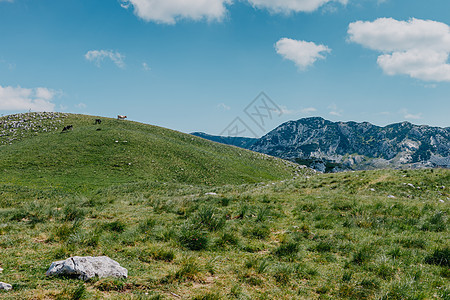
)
(302, 53)
(287, 6)
(170, 11)
(418, 48)
(98, 56)
(17, 98)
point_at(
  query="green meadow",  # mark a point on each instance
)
(192, 219)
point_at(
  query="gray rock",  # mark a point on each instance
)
(87, 267)
(5, 286)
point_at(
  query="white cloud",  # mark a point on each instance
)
(302, 53)
(308, 110)
(409, 116)
(223, 106)
(170, 11)
(97, 56)
(286, 111)
(335, 111)
(17, 98)
(413, 117)
(287, 6)
(145, 66)
(418, 48)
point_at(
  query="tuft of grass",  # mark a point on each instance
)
(288, 249)
(437, 222)
(227, 238)
(207, 296)
(282, 274)
(110, 284)
(208, 217)
(116, 226)
(258, 231)
(363, 255)
(192, 238)
(440, 257)
(160, 253)
(189, 270)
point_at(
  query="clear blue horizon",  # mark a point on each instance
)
(196, 66)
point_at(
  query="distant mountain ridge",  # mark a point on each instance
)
(334, 146)
(242, 142)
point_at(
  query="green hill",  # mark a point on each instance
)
(37, 154)
(188, 221)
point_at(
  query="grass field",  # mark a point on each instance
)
(262, 235)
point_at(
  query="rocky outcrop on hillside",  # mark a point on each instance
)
(17, 126)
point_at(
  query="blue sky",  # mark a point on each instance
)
(195, 65)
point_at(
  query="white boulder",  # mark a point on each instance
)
(5, 286)
(87, 267)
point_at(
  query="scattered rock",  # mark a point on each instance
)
(1, 270)
(411, 185)
(442, 201)
(5, 286)
(372, 190)
(211, 194)
(391, 196)
(87, 267)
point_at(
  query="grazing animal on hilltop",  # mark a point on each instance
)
(67, 128)
(98, 121)
(120, 117)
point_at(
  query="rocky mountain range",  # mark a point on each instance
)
(336, 146)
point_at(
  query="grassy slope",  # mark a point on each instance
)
(123, 152)
(319, 237)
